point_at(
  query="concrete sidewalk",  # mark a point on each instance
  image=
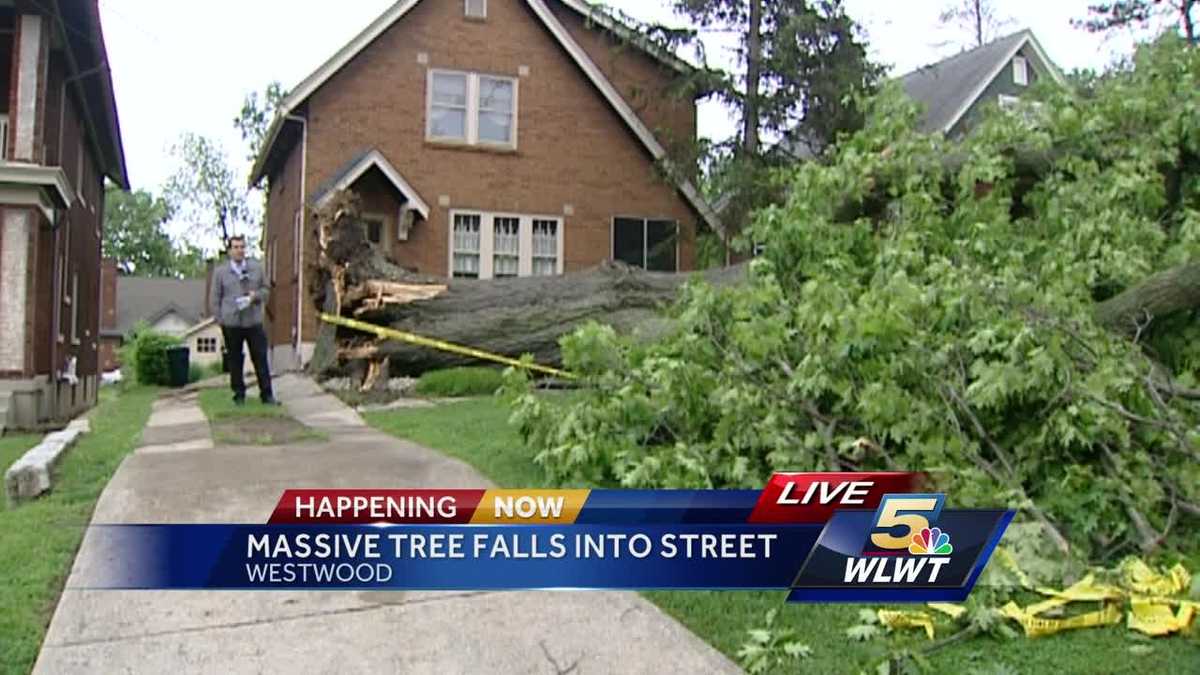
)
(178, 476)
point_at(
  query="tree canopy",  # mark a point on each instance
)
(135, 237)
(923, 304)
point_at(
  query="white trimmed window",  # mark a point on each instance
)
(206, 345)
(648, 243)
(476, 9)
(465, 245)
(471, 108)
(1020, 71)
(493, 245)
(547, 247)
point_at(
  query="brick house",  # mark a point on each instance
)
(485, 139)
(59, 140)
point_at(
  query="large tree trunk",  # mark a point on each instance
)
(516, 316)
(1165, 293)
(510, 317)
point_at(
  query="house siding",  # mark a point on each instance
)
(576, 158)
(1002, 85)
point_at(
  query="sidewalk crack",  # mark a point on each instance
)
(345, 611)
(558, 669)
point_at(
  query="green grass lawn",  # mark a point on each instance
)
(252, 423)
(39, 538)
(217, 404)
(476, 431)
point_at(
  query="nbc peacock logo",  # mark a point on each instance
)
(931, 541)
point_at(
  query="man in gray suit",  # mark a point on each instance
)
(239, 294)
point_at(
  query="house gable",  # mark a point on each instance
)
(950, 89)
(464, 55)
(1004, 84)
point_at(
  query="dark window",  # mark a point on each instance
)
(374, 230)
(649, 244)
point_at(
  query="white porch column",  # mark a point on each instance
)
(14, 266)
(31, 34)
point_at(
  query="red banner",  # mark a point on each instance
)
(350, 507)
(813, 497)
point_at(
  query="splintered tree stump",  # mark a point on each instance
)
(511, 316)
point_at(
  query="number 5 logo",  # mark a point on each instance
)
(912, 512)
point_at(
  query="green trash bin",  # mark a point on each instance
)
(177, 366)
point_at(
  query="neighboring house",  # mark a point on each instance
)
(172, 306)
(205, 342)
(59, 140)
(486, 138)
(955, 91)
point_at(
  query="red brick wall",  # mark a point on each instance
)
(82, 247)
(646, 83)
(283, 202)
(573, 148)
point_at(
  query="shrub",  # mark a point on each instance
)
(144, 355)
(196, 372)
(477, 381)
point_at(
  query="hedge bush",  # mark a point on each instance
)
(144, 355)
(475, 381)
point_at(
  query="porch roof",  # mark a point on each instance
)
(359, 165)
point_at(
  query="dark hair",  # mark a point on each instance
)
(236, 237)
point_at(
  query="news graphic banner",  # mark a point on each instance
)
(823, 537)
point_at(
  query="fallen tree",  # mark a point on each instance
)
(1026, 330)
(511, 316)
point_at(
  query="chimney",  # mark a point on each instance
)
(108, 294)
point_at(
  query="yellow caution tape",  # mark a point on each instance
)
(1150, 603)
(950, 610)
(1157, 619)
(1137, 576)
(907, 619)
(1036, 626)
(412, 338)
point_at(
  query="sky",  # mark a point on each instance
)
(187, 66)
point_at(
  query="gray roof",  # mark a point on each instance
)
(946, 87)
(150, 299)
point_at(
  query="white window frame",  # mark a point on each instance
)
(478, 17)
(472, 113)
(1020, 67)
(201, 341)
(487, 247)
(612, 237)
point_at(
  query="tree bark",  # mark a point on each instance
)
(510, 317)
(516, 316)
(1163, 294)
(753, 80)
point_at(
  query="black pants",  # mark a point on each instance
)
(256, 338)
